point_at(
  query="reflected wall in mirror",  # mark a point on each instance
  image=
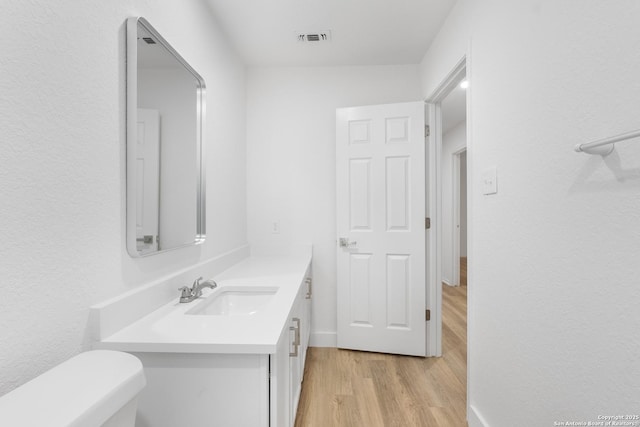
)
(165, 172)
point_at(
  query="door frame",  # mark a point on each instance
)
(434, 201)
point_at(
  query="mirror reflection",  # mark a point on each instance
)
(165, 200)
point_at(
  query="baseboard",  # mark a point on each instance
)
(323, 339)
(475, 419)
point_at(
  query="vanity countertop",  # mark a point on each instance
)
(169, 330)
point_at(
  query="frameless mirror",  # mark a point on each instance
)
(165, 173)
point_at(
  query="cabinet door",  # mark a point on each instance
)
(306, 322)
(280, 386)
(287, 366)
(204, 390)
(295, 361)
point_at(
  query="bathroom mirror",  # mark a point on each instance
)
(165, 171)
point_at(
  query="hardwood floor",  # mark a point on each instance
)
(344, 388)
(463, 271)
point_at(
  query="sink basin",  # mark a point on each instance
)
(234, 300)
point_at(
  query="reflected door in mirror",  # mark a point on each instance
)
(148, 180)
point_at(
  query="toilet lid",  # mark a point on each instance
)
(84, 390)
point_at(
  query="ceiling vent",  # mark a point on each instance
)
(319, 37)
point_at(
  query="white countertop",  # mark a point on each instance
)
(169, 330)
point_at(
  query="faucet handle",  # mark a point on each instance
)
(186, 291)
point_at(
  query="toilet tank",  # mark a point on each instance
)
(95, 388)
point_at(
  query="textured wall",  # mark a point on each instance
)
(291, 160)
(553, 258)
(62, 174)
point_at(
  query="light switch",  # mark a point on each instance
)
(490, 181)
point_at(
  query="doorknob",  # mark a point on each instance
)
(345, 243)
(147, 240)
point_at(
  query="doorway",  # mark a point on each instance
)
(453, 223)
(453, 183)
(449, 151)
(459, 211)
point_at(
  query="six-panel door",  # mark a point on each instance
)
(380, 163)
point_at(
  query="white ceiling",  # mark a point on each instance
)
(363, 32)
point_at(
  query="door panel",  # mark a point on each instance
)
(398, 203)
(398, 291)
(360, 284)
(381, 262)
(360, 194)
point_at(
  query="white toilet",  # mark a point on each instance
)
(95, 388)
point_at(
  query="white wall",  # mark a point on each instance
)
(291, 160)
(452, 142)
(553, 257)
(62, 168)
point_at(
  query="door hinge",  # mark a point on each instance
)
(427, 223)
(427, 130)
(427, 315)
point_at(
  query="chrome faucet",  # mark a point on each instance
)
(188, 294)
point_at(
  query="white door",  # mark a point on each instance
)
(380, 161)
(148, 180)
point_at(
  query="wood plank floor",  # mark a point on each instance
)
(463, 271)
(344, 388)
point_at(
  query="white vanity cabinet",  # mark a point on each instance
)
(208, 388)
(220, 369)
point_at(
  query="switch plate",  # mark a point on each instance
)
(275, 227)
(490, 181)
